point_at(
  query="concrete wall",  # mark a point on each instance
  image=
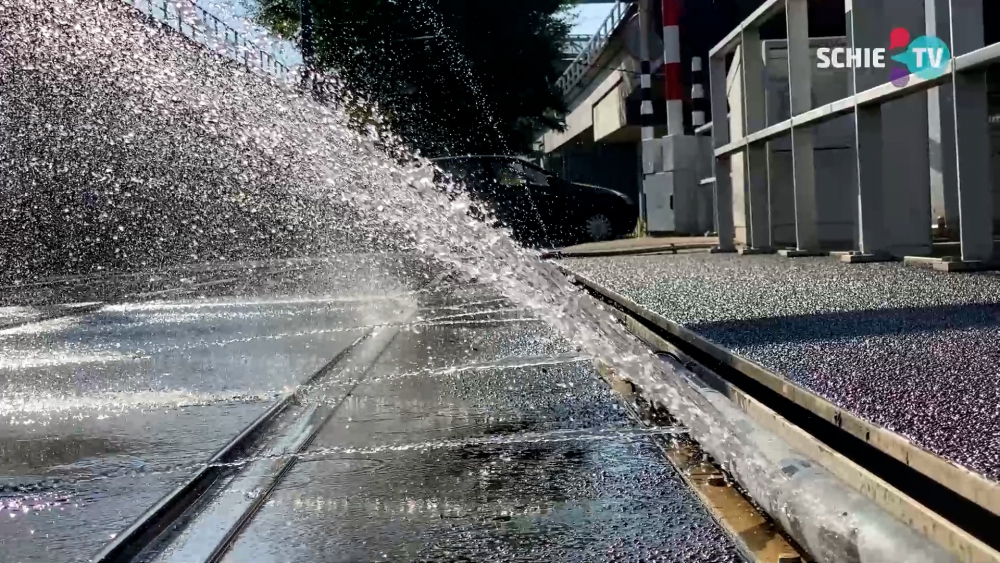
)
(833, 153)
(610, 112)
(581, 116)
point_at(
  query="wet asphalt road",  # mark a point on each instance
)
(912, 350)
(105, 412)
(478, 434)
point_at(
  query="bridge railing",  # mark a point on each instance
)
(575, 45)
(590, 53)
(207, 29)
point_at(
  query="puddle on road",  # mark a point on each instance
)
(558, 501)
(67, 486)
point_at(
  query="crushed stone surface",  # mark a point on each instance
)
(911, 350)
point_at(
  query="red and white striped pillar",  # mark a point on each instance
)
(672, 77)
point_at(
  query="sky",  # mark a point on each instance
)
(586, 19)
(234, 14)
(589, 17)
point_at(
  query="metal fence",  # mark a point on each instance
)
(205, 28)
(592, 50)
(961, 109)
(575, 45)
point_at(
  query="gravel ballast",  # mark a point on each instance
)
(912, 350)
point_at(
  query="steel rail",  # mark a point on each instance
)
(161, 516)
(317, 419)
(148, 531)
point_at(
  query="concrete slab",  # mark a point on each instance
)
(951, 264)
(640, 245)
(856, 257)
(902, 348)
(793, 253)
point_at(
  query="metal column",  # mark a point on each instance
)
(941, 131)
(755, 155)
(906, 164)
(720, 137)
(972, 146)
(864, 21)
(800, 92)
(871, 212)
(672, 80)
(645, 109)
(645, 71)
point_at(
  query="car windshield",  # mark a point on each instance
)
(516, 173)
(509, 173)
(536, 176)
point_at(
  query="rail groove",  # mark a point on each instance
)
(756, 536)
(160, 517)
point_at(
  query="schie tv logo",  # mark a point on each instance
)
(926, 57)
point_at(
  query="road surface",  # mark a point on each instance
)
(476, 434)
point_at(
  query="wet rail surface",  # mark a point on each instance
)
(484, 442)
(476, 434)
(105, 412)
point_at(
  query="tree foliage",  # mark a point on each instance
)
(449, 76)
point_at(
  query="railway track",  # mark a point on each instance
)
(948, 506)
(953, 507)
(194, 523)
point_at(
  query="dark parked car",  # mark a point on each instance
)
(539, 207)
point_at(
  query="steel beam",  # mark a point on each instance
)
(755, 156)
(720, 137)
(800, 70)
(972, 137)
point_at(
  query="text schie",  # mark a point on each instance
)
(843, 57)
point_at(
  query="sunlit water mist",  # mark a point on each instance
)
(124, 145)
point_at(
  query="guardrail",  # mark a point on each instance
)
(967, 136)
(585, 60)
(575, 44)
(207, 29)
